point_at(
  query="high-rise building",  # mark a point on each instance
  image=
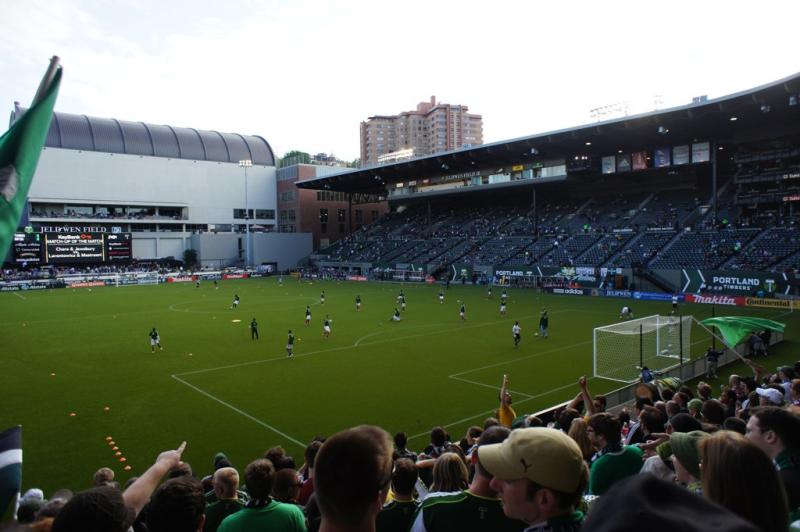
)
(434, 127)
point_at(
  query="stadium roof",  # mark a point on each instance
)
(109, 135)
(755, 114)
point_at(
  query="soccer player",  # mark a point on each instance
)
(235, 303)
(402, 302)
(216, 285)
(326, 327)
(155, 341)
(674, 303)
(401, 296)
(544, 322)
(197, 283)
(503, 296)
(308, 315)
(626, 313)
(489, 292)
(441, 296)
(358, 303)
(322, 298)
(396, 316)
(503, 308)
(463, 312)
(254, 330)
(516, 330)
(290, 345)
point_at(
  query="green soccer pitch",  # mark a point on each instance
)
(88, 352)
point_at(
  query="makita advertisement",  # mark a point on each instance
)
(716, 299)
(737, 282)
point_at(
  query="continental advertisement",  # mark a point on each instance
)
(785, 304)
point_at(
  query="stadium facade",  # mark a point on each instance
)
(701, 198)
(173, 188)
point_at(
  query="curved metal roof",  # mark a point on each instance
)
(109, 135)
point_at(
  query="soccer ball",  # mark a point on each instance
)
(536, 334)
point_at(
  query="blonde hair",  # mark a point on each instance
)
(577, 431)
(726, 458)
(449, 473)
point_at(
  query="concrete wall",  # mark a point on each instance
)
(210, 190)
(284, 248)
(218, 250)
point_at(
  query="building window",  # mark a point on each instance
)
(340, 214)
(341, 228)
(323, 216)
(239, 214)
(374, 216)
(323, 228)
(359, 216)
(265, 214)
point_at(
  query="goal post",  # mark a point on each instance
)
(620, 350)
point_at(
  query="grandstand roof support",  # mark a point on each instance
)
(714, 151)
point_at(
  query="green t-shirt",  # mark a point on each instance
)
(217, 511)
(463, 511)
(612, 467)
(396, 516)
(273, 516)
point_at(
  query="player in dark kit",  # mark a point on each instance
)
(503, 296)
(358, 303)
(308, 315)
(254, 330)
(322, 298)
(235, 303)
(544, 322)
(290, 345)
(463, 312)
(155, 341)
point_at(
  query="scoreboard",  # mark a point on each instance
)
(71, 248)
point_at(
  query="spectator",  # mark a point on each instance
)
(177, 506)
(713, 412)
(103, 477)
(476, 508)
(635, 432)
(686, 458)
(286, 486)
(262, 512)
(777, 432)
(226, 485)
(99, 509)
(613, 460)
(308, 485)
(505, 414)
(449, 474)
(540, 475)
(400, 450)
(771, 395)
(106, 509)
(352, 473)
(398, 514)
(577, 431)
(644, 501)
(728, 458)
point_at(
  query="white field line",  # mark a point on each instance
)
(20, 296)
(241, 412)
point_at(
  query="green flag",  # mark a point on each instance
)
(734, 329)
(20, 147)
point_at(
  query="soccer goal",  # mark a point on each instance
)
(658, 342)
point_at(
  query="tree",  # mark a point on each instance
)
(295, 157)
(189, 258)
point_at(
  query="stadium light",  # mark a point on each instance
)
(246, 163)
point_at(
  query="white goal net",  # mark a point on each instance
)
(658, 342)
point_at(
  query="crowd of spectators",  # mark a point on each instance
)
(682, 458)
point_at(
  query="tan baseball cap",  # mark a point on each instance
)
(545, 456)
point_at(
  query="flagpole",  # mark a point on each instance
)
(47, 80)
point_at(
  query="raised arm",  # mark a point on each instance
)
(137, 495)
(587, 396)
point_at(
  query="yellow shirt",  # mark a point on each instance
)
(506, 415)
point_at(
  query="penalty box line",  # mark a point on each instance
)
(177, 376)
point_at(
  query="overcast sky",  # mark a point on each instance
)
(304, 73)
